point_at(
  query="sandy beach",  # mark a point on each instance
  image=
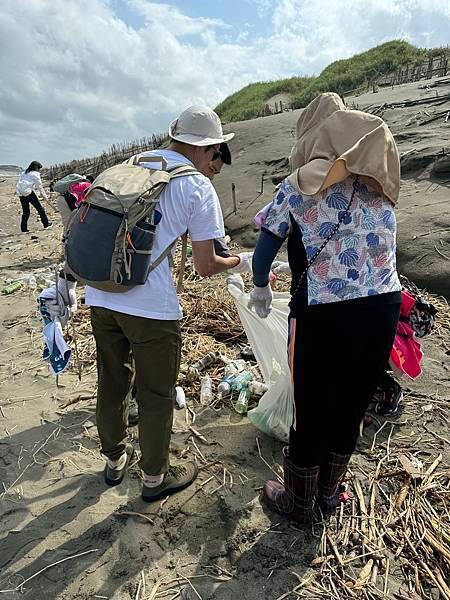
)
(216, 540)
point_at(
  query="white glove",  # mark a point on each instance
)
(65, 303)
(280, 267)
(261, 300)
(67, 291)
(245, 263)
(236, 280)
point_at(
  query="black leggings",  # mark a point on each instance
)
(25, 201)
(337, 356)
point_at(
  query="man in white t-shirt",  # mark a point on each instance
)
(146, 318)
(214, 167)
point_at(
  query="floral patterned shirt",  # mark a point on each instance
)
(359, 260)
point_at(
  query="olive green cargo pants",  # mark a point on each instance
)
(156, 348)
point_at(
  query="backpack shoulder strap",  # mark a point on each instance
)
(182, 262)
(162, 256)
(183, 171)
(177, 171)
(137, 160)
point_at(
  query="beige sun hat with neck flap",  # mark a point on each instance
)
(333, 142)
(198, 126)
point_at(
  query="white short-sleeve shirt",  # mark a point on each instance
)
(187, 204)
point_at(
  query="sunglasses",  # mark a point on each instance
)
(217, 154)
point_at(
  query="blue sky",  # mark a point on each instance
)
(78, 75)
(234, 13)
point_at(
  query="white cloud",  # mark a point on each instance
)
(75, 77)
(179, 24)
(263, 7)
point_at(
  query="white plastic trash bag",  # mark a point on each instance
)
(268, 339)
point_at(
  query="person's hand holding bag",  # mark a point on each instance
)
(65, 303)
(245, 263)
(261, 300)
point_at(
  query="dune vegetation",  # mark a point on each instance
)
(340, 76)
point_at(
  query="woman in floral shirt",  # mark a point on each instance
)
(336, 211)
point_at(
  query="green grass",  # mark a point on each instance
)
(359, 70)
(250, 100)
(341, 76)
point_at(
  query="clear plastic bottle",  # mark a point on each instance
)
(241, 381)
(242, 401)
(180, 397)
(32, 283)
(224, 387)
(204, 362)
(206, 394)
(233, 368)
(257, 388)
(199, 365)
(237, 364)
(231, 371)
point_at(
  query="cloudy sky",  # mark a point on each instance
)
(78, 75)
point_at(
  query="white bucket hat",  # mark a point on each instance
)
(198, 126)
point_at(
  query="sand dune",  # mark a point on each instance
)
(261, 147)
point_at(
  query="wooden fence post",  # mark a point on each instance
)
(233, 193)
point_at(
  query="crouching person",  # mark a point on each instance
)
(146, 318)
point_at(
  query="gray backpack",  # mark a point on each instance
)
(110, 237)
(62, 185)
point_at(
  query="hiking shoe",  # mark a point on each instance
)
(378, 395)
(49, 226)
(176, 479)
(133, 413)
(390, 402)
(114, 473)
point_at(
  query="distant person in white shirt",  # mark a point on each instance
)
(29, 183)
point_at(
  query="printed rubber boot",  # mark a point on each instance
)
(295, 499)
(330, 479)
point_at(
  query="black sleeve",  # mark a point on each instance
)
(221, 249)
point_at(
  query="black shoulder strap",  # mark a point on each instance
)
(327, 239)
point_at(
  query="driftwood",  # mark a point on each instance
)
(406, 103)
(434, 117)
